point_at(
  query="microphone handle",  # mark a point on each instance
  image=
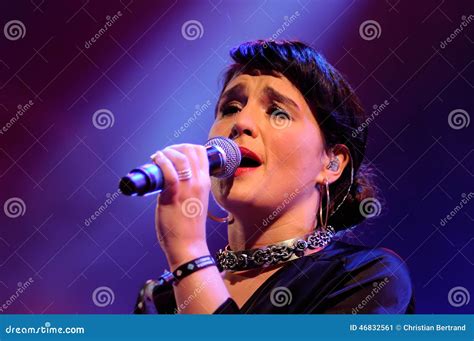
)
(148, 179)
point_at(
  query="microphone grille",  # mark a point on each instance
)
(232, 155)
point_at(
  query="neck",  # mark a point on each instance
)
(260, 228)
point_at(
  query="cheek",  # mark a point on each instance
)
(298, 155)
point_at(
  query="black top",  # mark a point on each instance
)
(340, 279)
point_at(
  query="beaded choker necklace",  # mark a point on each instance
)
(273, 254)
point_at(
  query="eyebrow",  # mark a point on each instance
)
(236, 92)
(278, 97)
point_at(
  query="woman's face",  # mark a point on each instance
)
(270, 117)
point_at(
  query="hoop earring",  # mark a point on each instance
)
(325, 222)
(229, 219)
(348, 189)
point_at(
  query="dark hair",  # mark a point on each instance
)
(332, 101)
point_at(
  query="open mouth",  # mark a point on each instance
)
(249, 161)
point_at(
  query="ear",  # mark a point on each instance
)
(334, 163)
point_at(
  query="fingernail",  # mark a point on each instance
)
(152, 156)
(157, 155)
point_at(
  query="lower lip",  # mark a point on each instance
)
(243, 170)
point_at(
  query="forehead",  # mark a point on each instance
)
(257, 84)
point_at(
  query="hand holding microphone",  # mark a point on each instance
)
(223, 155)
(182, 174)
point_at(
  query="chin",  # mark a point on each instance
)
(237, 198)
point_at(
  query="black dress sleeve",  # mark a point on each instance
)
(375, 282)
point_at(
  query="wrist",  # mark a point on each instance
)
(185, 253)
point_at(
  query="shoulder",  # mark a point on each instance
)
(376, 279)
(360, 257)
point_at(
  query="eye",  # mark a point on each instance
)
(278, 113)
(230, 109)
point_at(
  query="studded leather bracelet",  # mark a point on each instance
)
(188, 268)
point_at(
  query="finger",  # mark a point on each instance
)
(170, 175)
(201, 153)
(180, 160)
(197, 162)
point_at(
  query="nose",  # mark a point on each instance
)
(244, 124)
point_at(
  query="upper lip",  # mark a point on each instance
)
(249, 154)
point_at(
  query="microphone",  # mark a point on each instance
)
(224, 159)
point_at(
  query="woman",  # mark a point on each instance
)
(296, 121)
